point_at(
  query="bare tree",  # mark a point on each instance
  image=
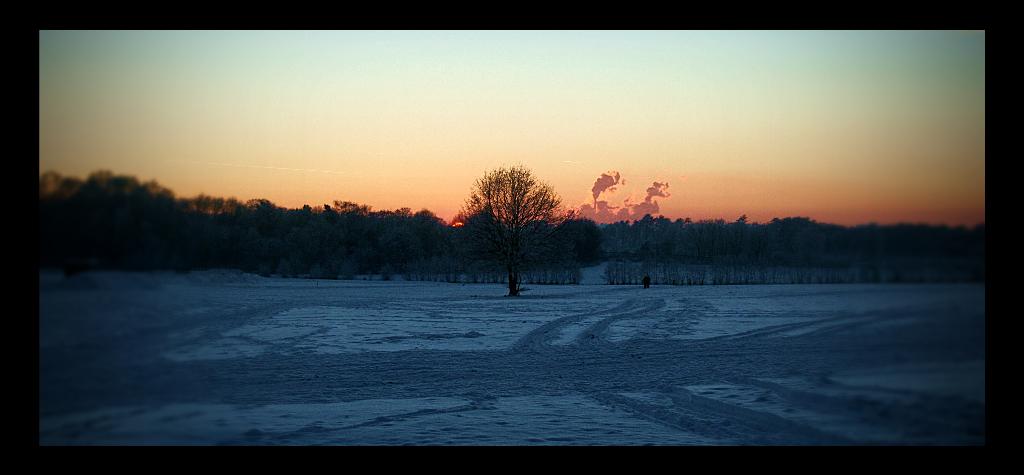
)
(511, 218)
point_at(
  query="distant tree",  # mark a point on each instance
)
(585, 240)
(511, 219)
(119, 222)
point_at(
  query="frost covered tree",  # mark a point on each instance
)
(511, 219)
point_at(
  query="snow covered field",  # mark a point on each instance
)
(228, 358)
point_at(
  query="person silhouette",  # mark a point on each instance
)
(647, 281)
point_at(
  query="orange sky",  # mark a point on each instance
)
(843, 127)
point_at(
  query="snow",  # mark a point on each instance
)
(540, 420)
(593, 275)
(221, 357)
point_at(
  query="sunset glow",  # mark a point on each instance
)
(841, 127)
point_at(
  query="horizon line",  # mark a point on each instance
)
(451, 219)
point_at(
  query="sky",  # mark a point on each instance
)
(844, 127)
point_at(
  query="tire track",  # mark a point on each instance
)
(676, 418)
(475, 405)
(927, 415)
(539, 339)
(770, 330)
(595, 335)
(828, 324)
(765, 427)
(721, 422)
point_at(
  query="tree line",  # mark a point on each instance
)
(790, 250)
(123, 223)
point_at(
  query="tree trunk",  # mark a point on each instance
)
(513, 283)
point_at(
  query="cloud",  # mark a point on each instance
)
(600, 211)
(606, 182)
(603, 212)
(638, 210)
(657, 189)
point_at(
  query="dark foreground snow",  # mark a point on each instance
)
(226, 358)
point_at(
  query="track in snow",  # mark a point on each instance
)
(564, 380)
